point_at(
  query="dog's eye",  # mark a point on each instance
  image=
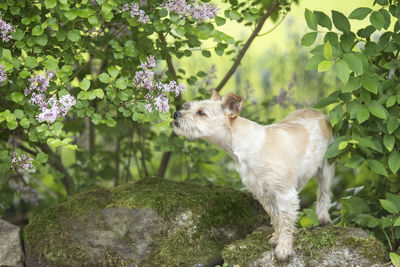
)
(201, 113)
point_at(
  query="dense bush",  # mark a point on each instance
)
(365, 109)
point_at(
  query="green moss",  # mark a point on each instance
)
(370, 248)
(200, 237)
(241, 252)
(312, 243)
(48, 232)
(169, 198)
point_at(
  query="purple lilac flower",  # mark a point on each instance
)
(199, 11)
(21, 163)
(136, 12)
(156, 96)
(52, 108)
(3, 75)
(5, 29)
(161, 103)
(28, 194)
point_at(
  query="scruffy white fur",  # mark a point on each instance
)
(274, 161)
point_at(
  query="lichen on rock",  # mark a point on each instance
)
(152, 222)
(319, 246)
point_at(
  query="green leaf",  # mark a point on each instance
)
(326, 101)
(93, 20)
(113, 71)
(388, 141)
(110, 122)
(377, 167)
(74, 35)
(343, 145)
(206, 53)
(354, 62)
(99, 93)
(121, 83)
(366, 220)
(389, 206)
(25, 123)
(391, 101)
(328, 50)
(394, 161)
(360, 13)
(219, 21)
(352, 84)
(7, 54)
(12, 125)
(342, 70)
(363, 114)
(104, 77)
(392, 124)
(42, 157)
(340, 21)
(51, 63)
(84, 84)
(17, 97)
(71, 14)
(30, 62)
(323, 19)
(310, 19)
(369, 84)
(324, 66)
(37, 30)
(50, 3)
(395, 258)
(377, 20)
(308, 38)
(397, 223)
(378, 111)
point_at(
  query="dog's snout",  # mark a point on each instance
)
(177, 115)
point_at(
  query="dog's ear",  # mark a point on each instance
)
(215, 95)
(232, 104)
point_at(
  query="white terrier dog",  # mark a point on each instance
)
(274, 161)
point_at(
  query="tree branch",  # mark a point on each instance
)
(167, 155)
(246, 46)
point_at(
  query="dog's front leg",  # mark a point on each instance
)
(268, 204)
(286, 206)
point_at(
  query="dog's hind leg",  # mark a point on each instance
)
(325, 176)
(287, 205)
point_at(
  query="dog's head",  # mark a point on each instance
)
(207, 118)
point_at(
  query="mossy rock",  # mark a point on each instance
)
(318, 246)
(153, 222)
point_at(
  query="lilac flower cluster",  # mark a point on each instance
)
(136, 12)
(199, 11)
(156, 91)
(5, 30)
(3, 75)
(21, 163)
(51, 108)
(28, 194)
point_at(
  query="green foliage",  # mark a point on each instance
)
(364, 111)
(95, 48)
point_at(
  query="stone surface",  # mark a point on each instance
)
(152, 222)
(11, 253)
(319, 246)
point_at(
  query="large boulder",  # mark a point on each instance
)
(11, 253)
(319, 246)
(152, 222)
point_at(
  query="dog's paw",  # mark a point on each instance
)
(325, 221)
(273, 241)
(283, 252)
